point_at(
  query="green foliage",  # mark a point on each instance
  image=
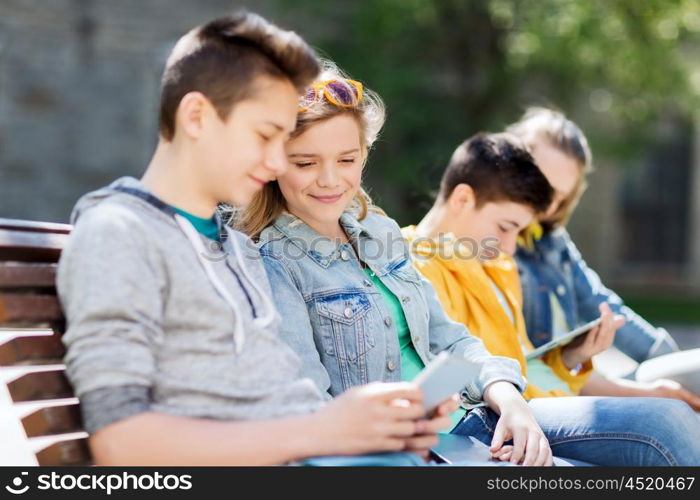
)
(666, 309)
(449, 68)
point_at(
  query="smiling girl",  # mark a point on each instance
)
(352, 306)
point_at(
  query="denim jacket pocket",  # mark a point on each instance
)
(343, 325)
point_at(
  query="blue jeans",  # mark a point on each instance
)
(607, 431)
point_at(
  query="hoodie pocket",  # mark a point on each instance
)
(344, 328)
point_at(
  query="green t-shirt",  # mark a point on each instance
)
(411, 364)
(205, 227)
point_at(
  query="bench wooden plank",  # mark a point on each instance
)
(63, 449)
(19, 307)
(27, 246)
(27, 275)
(35, 226)
(21, 349)
(26, 408)
(40, 385)
(54, 419)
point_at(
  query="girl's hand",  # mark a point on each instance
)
(665, 388)
(372, 418)
(516, 422)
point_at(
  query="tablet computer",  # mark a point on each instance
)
(563, 339)
(444, 376)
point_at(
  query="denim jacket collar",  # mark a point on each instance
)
(552, 241)
(319, 248)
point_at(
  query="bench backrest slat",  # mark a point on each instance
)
(35, 227)
(25, 246)
(72, 451)
(36, 390)
(53, 420)
(40, 385)
(28, 309)
(21, 275)
(46, 348)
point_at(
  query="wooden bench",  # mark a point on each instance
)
(40, 421)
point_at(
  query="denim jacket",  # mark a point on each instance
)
(556, 266)
(336, 319)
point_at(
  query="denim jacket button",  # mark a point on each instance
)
(348, 312)
(405, 299)
(561, 290)
(387, 321)
(416, 339)
(368, 283)
(344, 255)
(391, 366)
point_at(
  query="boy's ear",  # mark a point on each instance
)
(191, 113)
(462, 197)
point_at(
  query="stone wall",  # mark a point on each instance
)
(78, 93)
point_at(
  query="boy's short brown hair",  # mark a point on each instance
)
(222, 58)
(498, 168)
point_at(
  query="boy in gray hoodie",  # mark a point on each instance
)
(171, 342)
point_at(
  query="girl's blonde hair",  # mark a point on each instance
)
(544, 124)
(369, 113)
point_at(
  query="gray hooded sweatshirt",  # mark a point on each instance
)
(163, 319)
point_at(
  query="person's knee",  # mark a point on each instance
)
(673, 411)
(680, 412)
(673, 423)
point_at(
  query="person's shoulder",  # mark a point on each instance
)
(112, 219)
(271, 240)
(554, 240)
(559, 234)
(239, 237)
(559, 240)
(244, 242)
(380, 223)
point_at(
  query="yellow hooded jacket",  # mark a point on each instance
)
(462, 284)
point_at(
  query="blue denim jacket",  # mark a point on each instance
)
(555, 265)
(336, 319)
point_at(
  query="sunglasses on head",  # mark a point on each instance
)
(339, 92)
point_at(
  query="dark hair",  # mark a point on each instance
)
(498, 168)
(222, 58)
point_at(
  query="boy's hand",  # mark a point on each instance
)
(378, 417)
(594, 342)
(427, 429)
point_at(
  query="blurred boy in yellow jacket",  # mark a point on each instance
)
(464, 244)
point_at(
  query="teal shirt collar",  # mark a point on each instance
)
(208, 228)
